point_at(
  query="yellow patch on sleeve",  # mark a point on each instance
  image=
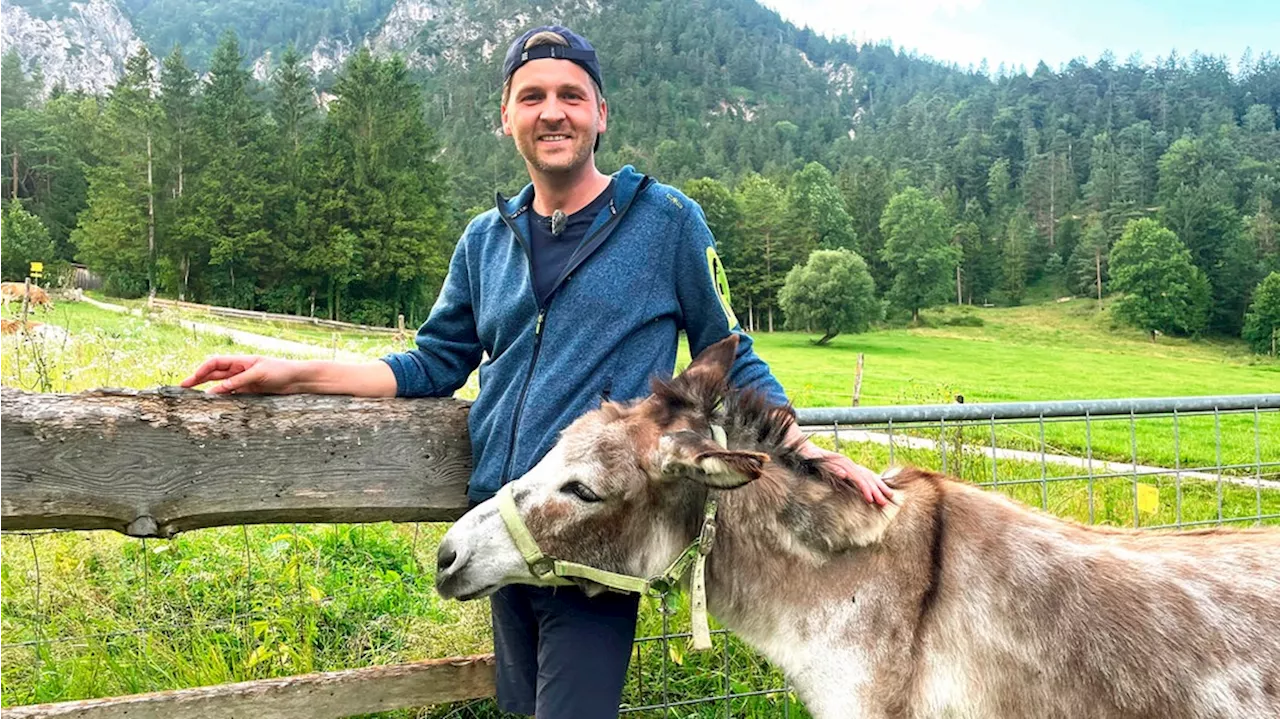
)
(721, 282)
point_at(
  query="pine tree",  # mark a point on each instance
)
(382, 220)
(816, 211)
(973, 275)
(1019, 235)
(230, 194)
(17, 90)
(1000, 199)
(21, 127)
(767, 239)
(919, 250)
(118, 231)
(293, 108)
(866, 186)
(1262, 229)
(1087, 268)
(178, 100)
(1262, 323)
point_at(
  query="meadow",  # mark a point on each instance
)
(98, 614)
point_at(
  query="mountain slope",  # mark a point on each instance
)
(83, 46)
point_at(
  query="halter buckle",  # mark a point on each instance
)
(543, 567)
(707, 539)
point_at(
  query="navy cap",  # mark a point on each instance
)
(579, 51)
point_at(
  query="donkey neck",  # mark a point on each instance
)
(795, 541)
(823, 616)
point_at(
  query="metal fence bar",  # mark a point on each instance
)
(942, 445)
(1177, 468)
(1088, 444)
(35, 558)
(1257, 459)
(728, 685)
(1044, 469)
(995, 454)
(1133, 456)
(1006, 482)
(1032, 410)
(666, 661)
(901, 425)
(1217, 453)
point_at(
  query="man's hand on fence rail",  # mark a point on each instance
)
(252, 374)
(249, 374)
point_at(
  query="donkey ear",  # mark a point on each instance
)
(687, 454)
(711, 366)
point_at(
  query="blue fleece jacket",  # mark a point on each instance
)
(646, 270)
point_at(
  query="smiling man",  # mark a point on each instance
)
(577, 290)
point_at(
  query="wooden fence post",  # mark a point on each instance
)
(857, 382)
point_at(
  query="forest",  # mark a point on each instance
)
(342, 196)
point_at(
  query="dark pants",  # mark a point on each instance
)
(561, 654)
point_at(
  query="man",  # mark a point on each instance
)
(577, 289)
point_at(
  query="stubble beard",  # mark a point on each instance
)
(580, 157)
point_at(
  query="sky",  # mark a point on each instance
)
(1024, 32)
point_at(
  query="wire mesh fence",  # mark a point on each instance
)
(98, 614)
(1149, 464)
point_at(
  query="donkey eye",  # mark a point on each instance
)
(581, 491)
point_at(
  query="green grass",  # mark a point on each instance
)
(1042, 352)
(105, 349)
(237, 603)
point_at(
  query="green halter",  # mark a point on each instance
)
(557, 572)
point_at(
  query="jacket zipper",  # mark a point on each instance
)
(515, 425)
(542, 315)
(537, 348)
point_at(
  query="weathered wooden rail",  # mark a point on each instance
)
(325, 695)
(157, 462)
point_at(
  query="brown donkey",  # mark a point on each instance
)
(954, 602)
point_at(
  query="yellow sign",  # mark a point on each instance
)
(37, 268)
(1148, 499)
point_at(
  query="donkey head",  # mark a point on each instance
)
(622, 490)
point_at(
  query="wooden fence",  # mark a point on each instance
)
(157, 462)
(273, 316)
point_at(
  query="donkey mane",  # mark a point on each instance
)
(750, 419)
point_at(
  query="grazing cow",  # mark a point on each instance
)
(14, 292)
(10, 327)
(953, 602)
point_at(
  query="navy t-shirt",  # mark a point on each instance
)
(550, 253)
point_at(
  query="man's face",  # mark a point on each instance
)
(554, 114)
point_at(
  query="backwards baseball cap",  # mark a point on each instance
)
(578, 51)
